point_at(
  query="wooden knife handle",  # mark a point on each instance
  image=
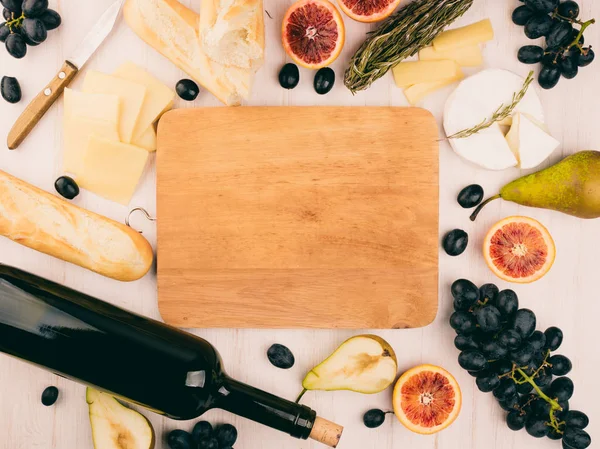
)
(40, 105)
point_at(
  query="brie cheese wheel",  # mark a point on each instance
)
(475, 100)
(530, 141)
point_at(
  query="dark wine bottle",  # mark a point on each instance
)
(144, 361)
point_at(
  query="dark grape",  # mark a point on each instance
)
(473, 373)
(569, 9)
(7, 14)
(560, 34)
(530, 54)
(208, 443)
(289, 76)
(562, 388)
(537, 340)
(553, 434)
(561, 365)
(568, 66)
(489, 292)
(521, 15)
(226, 435)
(506, 389)
(180, 439)
(4, 32)
(16, 46)
(524, 388)
(472, 360)
(12, 5)
(465, 294)
(66, 187)
(463, 322)
(187, 89)
(576, 438)
(543, 379)
(33, 8)
(523, 355)
(494, 350)
(487, 381)
(280, 356)
(562, 413)
(470, 196)
(541, 407)
(515, 420)
(586, 58)
(581, 40)
(49, 396)
(51, 19)
(536, 426)
(554, 338)
(502, 367)
(510, 338)
(539, 25)
(489, 319)
(507, 303)
(10, 89)
(202, 429)
(575, 418)
(455, 242)
(510, 403)
(374, 418)
(524, 322)
(544, 6)
(324, 80)
(463, 342)
(34, 30)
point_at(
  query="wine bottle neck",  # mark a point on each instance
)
(243, 400)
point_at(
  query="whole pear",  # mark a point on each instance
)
(572, 187)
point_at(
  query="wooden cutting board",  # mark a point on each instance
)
(304, 217)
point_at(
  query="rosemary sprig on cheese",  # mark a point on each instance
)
(500, 114)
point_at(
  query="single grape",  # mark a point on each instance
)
(560, 364)
(560, 34)
(49, 396)
(289, 76)
(465, 293)
(530, 54)
(473, 373)
(586, 58)
(575, 34)
(565, 407)
(536, 426)
(507, 303)
(34, 8)
(510, 339)
(506, 389)
(16, 46)
(472, 360)
(510, 403)
(180, 439)
(538, 26)
(463, 342)
(525, 388)
(489, 319)
(226, 435)
(537, 340)
(67, 187)
(553, 434)
(487, 381)
(554, 338)
(569, 9)
(502, 367)
(524, 323)
(208, 443)
(515, 420)
(489, 292)
(494, 350)
(543, 379)
(562, 388)
(12, 5)
(523, 355)
(187, 89)
(544, 6)
(374, 418)
(522, 14)
(280, 356)
(576, 438)
(10, 89)
(541, 407)
(455, 242)
(34, 29)
(201, 430)
(7, 14)
(577, 419)
(470, 196)
(51, 19)
(568, 66)
(463, 322)
(4, 32)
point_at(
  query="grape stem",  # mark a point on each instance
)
(14, 22)
(555, 405)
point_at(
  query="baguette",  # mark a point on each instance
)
(171, 29)
(48, 224)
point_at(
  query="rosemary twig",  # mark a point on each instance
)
(400, 36)
(500, 114)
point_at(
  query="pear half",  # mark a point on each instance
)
(364, 364)
(115, 426)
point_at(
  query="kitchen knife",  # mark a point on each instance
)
(40, 104)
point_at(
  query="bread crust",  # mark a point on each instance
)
(48, 224)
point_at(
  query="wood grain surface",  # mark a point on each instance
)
(298, 217)
(567, 297)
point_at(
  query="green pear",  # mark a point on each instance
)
(115, 426)
(572, 187)
(365, 364)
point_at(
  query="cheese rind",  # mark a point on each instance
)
(476, 33)
(158, 100)
(470, 56)
(112, 169)
(77, 133)
(415, 72)
(147, 140)
(415, 93)
(530, 142)
(91, 106)
(132, 97)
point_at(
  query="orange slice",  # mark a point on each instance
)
(313, 33)
(519, 249)
(427, 399)
(368, 10)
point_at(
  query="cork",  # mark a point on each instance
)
(326, 432)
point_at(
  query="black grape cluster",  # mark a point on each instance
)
(508, 357)
(564, 53)
(27, 22)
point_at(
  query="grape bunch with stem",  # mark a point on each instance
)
(508, 357)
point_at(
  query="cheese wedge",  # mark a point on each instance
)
(91, 106)
(415, 93)
(77, 133)
(476, 33)
(132, 97)
(415, 72)
(470, 56)
(158, 100)
(112, 169)
(530, 141)
(147, 140)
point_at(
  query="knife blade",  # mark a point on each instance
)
(34, 112)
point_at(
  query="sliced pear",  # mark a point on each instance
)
(364, 364)
(115, 426)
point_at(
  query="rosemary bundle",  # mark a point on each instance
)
(400, 36)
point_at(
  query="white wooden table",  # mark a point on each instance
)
(567, 297)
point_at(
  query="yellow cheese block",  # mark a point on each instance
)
(159, 98)
(77, 133)
(112, 169)
(469, 56)
(91, 106)
(474, 34)
(147, 140)
(408, 73)
(132, 97)
(417, 92)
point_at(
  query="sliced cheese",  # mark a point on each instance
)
(476, 33)
(147, 140)
(530, 142)
(470, 56)
(112, 169)
(91, 106)
(159, 98)
(408, 73)
(77, 132)
(415, 93)
(132, 97)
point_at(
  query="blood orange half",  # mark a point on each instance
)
(368, 10)
(313, 33)
(427, 399)
(519, 249)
